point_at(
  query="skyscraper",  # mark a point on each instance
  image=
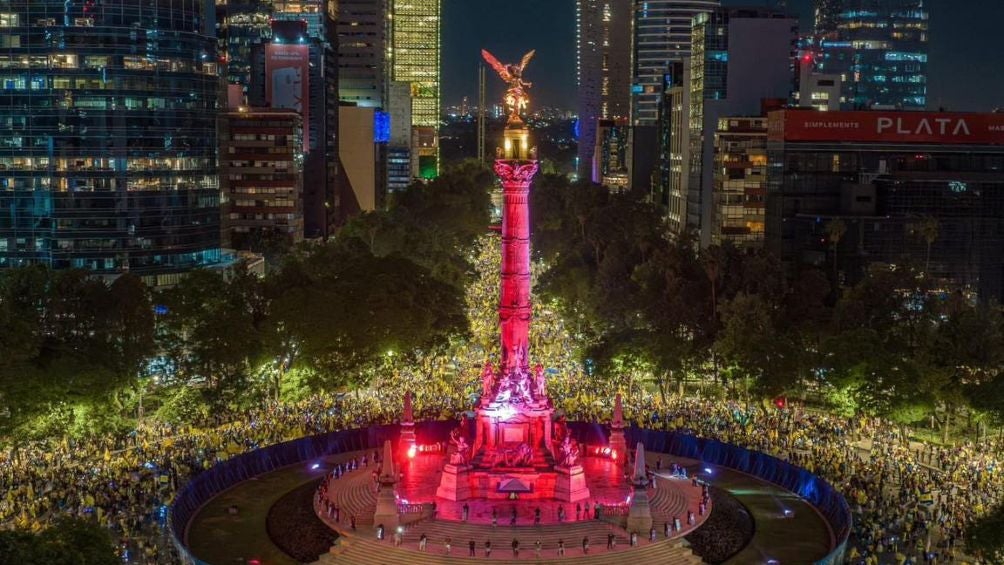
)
(362, 52)
(415, 48)
(662, 34)
(108, 141)
(742, 63)
(240, 25)
(879, 48)
(603, 70)
(298, 69)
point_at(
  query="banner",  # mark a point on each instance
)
(287, 81)
(880, 126)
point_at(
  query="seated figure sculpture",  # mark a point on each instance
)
(569, 453)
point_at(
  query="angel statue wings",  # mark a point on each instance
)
(516, 97)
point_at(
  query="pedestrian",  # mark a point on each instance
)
(495, 516)
(515, 548)
(536, 548)
(465, 512)
(448, 544)
(536, 516)
(561, 547)
(473, 547)
(422, 542)
(665, 529)
(561, 513)
(512, 517)
(651, 534)
(352, 522)
(488, 548)
(578, 511)
(585, 545)
(398, 538)
(610, 541)
(634, 539)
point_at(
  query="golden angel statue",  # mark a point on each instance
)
(516, 98)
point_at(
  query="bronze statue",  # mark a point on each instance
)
(516, 98)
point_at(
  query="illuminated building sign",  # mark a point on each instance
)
(381, 127)
(287, 80)
(887, 127)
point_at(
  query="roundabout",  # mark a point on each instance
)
(759, 522)
(515, 481)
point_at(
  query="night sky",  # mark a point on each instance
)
(966, 47)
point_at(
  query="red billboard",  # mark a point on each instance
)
(287, 81)
(887, 127)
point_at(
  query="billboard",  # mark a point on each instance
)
(880, 126)
(287, 81)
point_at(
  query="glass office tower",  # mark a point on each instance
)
(108, 136)
(880, 50)
(662, 35)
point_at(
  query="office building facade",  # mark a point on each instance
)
(882, 174)
(603, 70)
(261, 177)
(662, 35)
(362, 52)
(879, 48)
(416, 60)
(240, 26)
(743, 62)
(298, 70)
(108, 146)
(610, 156)
(740, 182)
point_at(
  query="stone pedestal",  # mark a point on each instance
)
(639, 515)
(571, 484)
(407, 440)
(455, 483)
(618, 443)
(387, 512)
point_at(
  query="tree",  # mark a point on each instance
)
(339, 311)
(986, 536)
(927, 229)
(210, 331)
(68, 541)
(835, 231)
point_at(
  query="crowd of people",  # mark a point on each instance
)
(911, 503)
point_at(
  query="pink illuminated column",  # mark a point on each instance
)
(514, 304)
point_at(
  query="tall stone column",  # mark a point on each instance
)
(516, 170)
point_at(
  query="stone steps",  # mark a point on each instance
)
(365, 552)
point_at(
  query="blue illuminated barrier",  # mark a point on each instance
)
(231, 472)
(816, 491)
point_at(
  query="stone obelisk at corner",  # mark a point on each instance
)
(386, 506)
(639, 515)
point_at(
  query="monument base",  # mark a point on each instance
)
(407, 440)
(455, 483)
(386, 508)
(640, 514)
(571, 484)
(618, 443)
(512, 484)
